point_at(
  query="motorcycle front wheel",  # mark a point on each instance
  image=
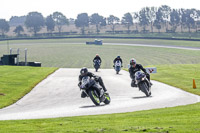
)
(145, 88)
(94, 98)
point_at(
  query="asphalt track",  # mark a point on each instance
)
(59, 96)
(125, 44)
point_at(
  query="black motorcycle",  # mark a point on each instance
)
(143, 83)
(93, 90)
(97, 64)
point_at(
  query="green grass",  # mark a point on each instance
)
(182, 119)
(169, 120)
(180, 76)
(15, 82)
(66, 53)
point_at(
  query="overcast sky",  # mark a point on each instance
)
(71, 8)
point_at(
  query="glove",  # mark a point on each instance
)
(146, 73)
(79, 84)
(96, 78)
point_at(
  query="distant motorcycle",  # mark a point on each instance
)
(117, 66)
(143, 83)
(93, 90)
(97, 64)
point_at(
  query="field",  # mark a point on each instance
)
(73, 53)
(175, 67)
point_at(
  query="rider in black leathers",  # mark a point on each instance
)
(134, 67)
(116, 59)
(84, 72)
(97, 57)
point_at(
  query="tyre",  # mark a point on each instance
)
(94, 98)
(107, 98)
(145, 89)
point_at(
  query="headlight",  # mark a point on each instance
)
(142, 79)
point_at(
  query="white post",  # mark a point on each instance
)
(10, 50)
(18, 56)
(25, 56)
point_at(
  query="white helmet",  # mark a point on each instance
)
(132, 61)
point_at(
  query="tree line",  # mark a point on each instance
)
(153, 17)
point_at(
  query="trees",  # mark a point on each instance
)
(159, 20)
(182, 15)
(189, 19)
(144, 16)
(34, 22)
(18, 29)
(60, 21)
(127, 20)
(136, 19)
(165, 11)
(97, 20)
(4, 26)
(50, 23)
(15, 20)
(174, 19)
(152, 16)
(197, 20)
(113, 20)
(82, 21)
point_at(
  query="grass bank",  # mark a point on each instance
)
(180, 76)
(182, 119)
(15, 82)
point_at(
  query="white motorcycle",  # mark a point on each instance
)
(118, 66)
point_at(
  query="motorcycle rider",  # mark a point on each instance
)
(117, 59)
(97, 57)
(84, 72)
(134, 67)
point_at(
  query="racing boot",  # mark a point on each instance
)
(102, 84)
(83, 94)
(133, 84)
(102, 97)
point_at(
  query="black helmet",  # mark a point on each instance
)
(84, 71)
(118, 56)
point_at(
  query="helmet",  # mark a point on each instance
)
(118, 56)
(132, 61)
(84, 71)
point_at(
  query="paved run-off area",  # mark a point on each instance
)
(59, 96)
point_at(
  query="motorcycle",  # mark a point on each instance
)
(93, 90)
(97, 64)
(143, 83)
(117, 66)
